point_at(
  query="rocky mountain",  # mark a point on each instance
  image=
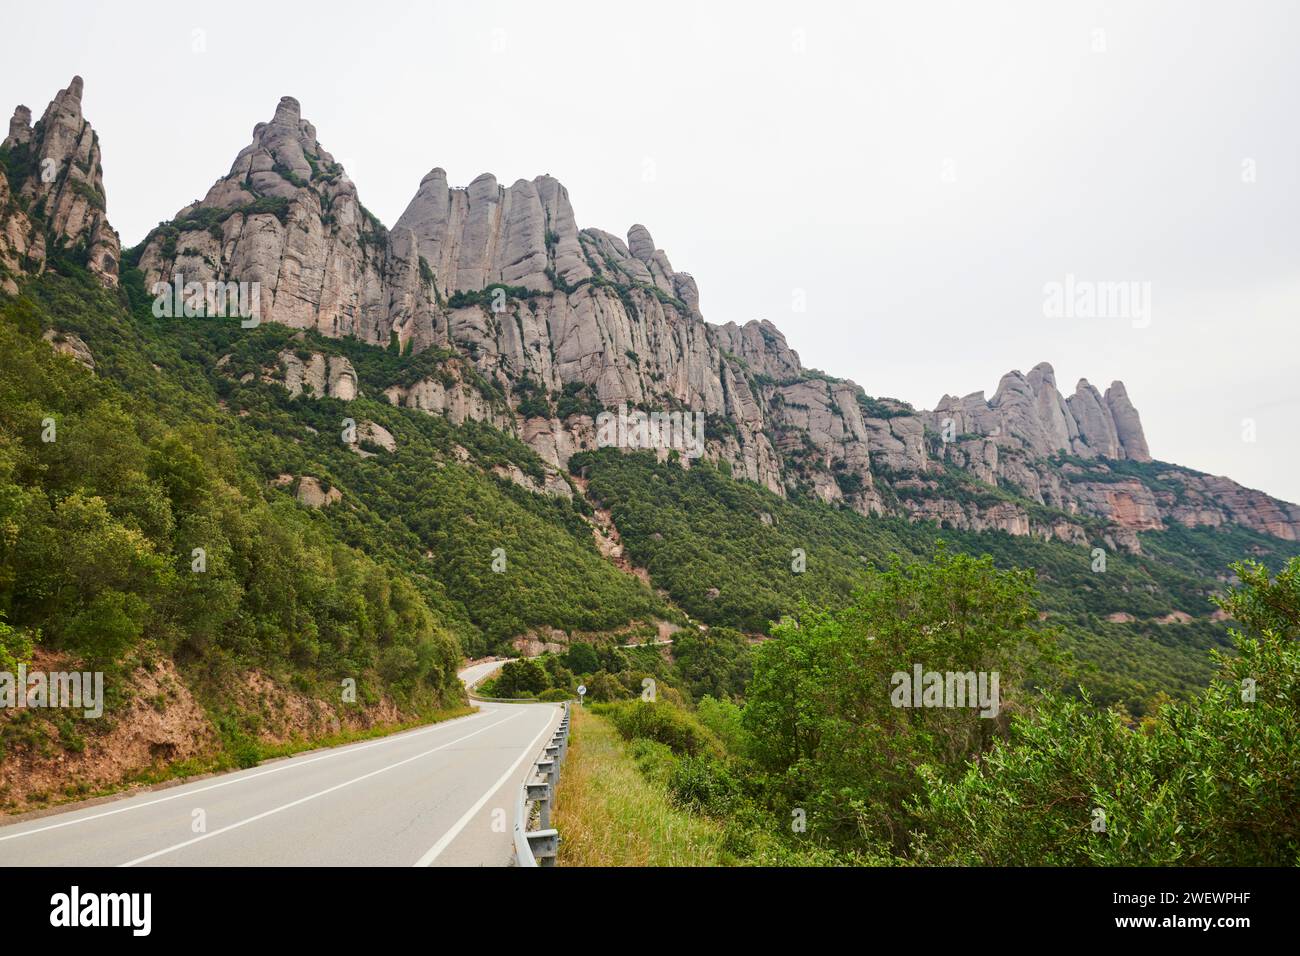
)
(547, 324)
(52, 193)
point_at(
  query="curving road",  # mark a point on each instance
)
(441, 795)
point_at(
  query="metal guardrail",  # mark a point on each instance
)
(540, 847)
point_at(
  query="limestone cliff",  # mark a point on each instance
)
(566, 321)
(52, 193)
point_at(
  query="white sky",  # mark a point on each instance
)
(771, 148)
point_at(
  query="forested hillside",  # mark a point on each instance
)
(141, 521)
(727, 553)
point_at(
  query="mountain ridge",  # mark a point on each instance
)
(563, 322)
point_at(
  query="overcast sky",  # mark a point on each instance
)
(913, 174)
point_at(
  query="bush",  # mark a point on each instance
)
(656, 761)
(555, 694)
(15, 647)
(398, 665)
(723, 717)
(705, 784)
(661, 721)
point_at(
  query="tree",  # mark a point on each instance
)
(522, 677)
(714, 662)
(581, 658)
(821, 711)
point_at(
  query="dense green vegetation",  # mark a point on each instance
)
(823, 764)
(728, 552)
(129, 530)
(715, 662)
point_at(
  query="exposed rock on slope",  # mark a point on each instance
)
(452, 395)
(71, 345)
(318, 375)
(371, 433)
(52, 193)
(313, 494)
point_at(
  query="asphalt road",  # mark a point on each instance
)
(442, 795)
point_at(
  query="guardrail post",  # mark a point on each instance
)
(546, 769)
(545, 845)
(540, 793)
(523, 849)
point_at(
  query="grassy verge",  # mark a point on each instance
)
(250, 754)
(242, 754)
(609, 814)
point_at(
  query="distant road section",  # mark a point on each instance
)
(441, 795)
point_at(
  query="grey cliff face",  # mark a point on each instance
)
(287, 218)
(505, 279)
(1128, 427)
(59, 193)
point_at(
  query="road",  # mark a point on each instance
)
(441, 795)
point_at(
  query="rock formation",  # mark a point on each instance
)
(317, 375)
(546, 324)
(52, 192)
(1027, 412)
(1128, 427)
(313, 494)
(371, 433)
(286, 218)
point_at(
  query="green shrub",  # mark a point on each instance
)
(15, 647)
(1211, 782)
(704, 783)
(724, 718)
(656, 761)
(664, 722)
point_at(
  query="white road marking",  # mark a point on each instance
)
(313, 796)
(288, 764)
(445, 841)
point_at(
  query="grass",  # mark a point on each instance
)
(609, 814)
(260, 751)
